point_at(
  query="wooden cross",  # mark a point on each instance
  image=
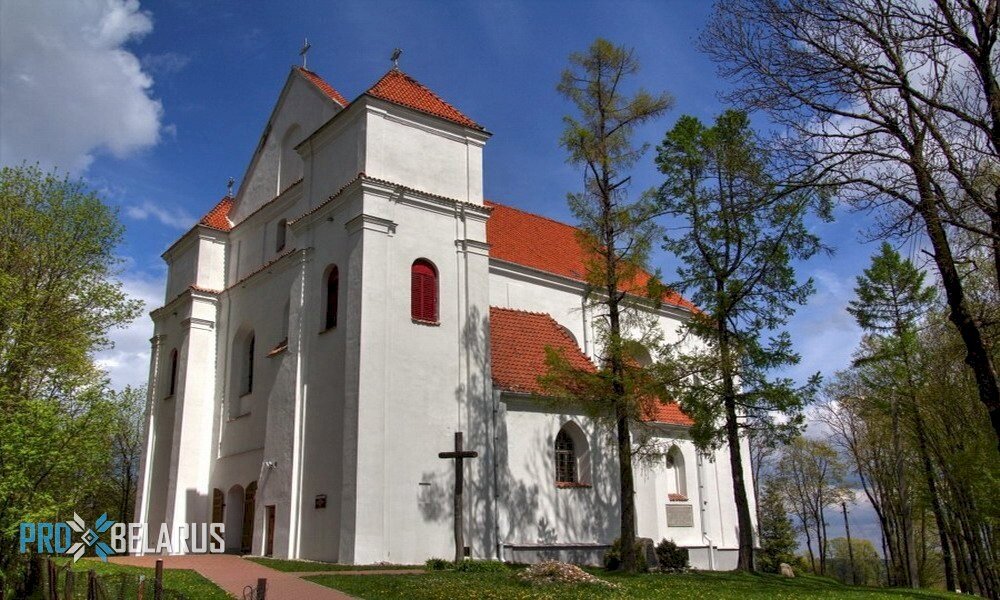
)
(458, 456)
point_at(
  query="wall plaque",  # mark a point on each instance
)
(680, 515)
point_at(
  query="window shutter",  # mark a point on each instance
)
(423, 292)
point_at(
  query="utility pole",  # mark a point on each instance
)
(850, 546)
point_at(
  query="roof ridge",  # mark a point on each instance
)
(523, 312)
(459, 117)
(324, 86)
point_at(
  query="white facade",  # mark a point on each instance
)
(337, 429)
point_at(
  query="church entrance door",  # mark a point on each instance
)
(246, 542)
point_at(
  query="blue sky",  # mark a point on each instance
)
(157, 104)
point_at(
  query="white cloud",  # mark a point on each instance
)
(68, 86)
(176, 218)
(127, 363)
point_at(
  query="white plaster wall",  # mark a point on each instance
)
(415, 385)
(301, 104)
(423, 152)
(182, 267)
(533, 509)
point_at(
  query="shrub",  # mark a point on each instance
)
(613, 557)
(671, 557)
(481, 566)
(437, 564)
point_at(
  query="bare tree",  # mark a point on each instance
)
(893, 102)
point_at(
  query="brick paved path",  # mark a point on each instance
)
(233, 573)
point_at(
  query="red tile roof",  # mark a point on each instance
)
(218, 217)
(534, 241)
(517, 347)
(324, 87)
(399, 88)
(670, 413)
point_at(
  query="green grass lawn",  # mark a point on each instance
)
(689, 586)
(186, 582)
(299, 566)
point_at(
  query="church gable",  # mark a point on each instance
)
(305, 103)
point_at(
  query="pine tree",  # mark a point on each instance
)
(740, 226)
(777, 535)
(617, 233)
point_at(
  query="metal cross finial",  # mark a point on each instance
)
(305, 50)
(395, 57)
(229, 187)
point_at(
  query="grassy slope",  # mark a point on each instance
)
(291, 566)
(722, 586)
(189, 583)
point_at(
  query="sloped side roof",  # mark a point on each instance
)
(534, 241)
(324, 87)
(517, 345)
(399, 88)
(218, 217)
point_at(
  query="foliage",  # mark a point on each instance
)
(446, 585)
(812, 477)
(671, 556)
(613, 557)
(616, 234)
(58, 300)
(437, 564)
(868, 564)
(740, 225)
(481, 566)
(901, 119)
(777, 535)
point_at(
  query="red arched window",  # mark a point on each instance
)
(173, 372)
(424, 291)
(332, 292)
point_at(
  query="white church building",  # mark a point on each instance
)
(329, 327)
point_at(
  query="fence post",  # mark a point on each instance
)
(68, 591)
(158, 584)
(50, 575)
(141, 594)
(262, 589)
(91, 585)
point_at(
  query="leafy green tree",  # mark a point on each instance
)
(58, 300)
(867, 564)
(616, 232)
(740, 226)
(777, 535)
(811, 477)
(891, 297)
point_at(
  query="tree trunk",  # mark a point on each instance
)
(744, 523)
(977, 356)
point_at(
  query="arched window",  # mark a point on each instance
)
(173, 372)
(424, 291)
(289, 161)
(248, 366)
(676, 476)
(332, 296)
(566, 471)
(279, 235)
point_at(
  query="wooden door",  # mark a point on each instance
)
(218, 505)
(269, 543)
(249, 501)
